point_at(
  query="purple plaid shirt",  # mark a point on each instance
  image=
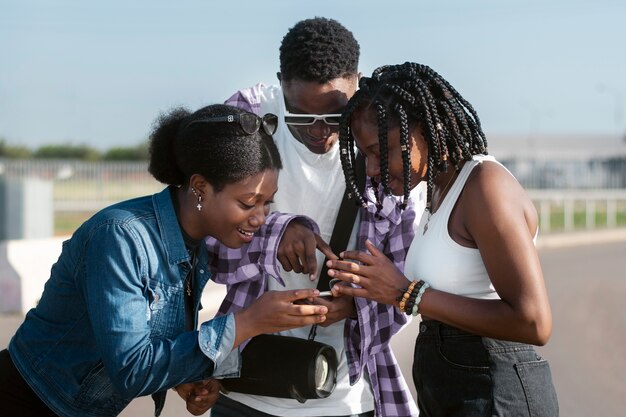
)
(246, 271)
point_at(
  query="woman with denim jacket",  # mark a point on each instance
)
(118, 315)
(472, 270)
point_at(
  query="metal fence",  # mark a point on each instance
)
(86, 186)
(598, 200)
(569, 210)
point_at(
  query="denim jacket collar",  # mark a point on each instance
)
(170, 229)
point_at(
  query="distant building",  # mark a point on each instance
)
(563, 162)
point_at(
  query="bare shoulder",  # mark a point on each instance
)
(493, 183)
(493, 192)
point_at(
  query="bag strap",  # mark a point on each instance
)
(344, 223)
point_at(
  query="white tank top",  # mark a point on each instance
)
(437, 259)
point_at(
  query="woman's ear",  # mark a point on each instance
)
(200, 184)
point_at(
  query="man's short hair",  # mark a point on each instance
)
(318, 49)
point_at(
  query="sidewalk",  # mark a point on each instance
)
(582, 237)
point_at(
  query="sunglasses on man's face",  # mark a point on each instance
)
(296, 119)
(249, 123)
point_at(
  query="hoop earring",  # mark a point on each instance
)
(199, 205)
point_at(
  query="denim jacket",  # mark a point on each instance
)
(110, 325)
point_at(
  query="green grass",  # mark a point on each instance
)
(66, 223)
(557, 217)
(104, 192)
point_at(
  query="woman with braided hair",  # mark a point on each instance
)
(472, 271)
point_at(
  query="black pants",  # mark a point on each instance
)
(17, 399)
(461, 374)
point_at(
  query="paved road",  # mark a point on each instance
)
(587, 352)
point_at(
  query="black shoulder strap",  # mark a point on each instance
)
(344, 223)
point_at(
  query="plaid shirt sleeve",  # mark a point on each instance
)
(248, 99)
(245, 271)
(367, 339)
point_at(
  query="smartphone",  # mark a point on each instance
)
(326, 294)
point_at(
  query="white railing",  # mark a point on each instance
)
(573, 209)
(85, 187)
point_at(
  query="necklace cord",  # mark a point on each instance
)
(428, 209)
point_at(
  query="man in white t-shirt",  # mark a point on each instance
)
(318, 75)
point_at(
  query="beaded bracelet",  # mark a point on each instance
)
(406, 295)
(418, 299)
(411, 306)
(411, 299)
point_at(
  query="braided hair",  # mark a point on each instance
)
(406, 94)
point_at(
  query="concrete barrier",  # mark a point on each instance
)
(25, 268)
(26, 208)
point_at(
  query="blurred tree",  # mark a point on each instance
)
(67, 151)
(14, 151)
(137, 153)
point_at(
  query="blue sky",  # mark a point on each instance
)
(99, 73)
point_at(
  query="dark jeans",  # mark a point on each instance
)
(461, 374)
(225, 407)
(16, 397)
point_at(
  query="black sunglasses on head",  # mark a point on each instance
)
(250, 123)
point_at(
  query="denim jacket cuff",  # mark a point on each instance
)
(216, 338)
